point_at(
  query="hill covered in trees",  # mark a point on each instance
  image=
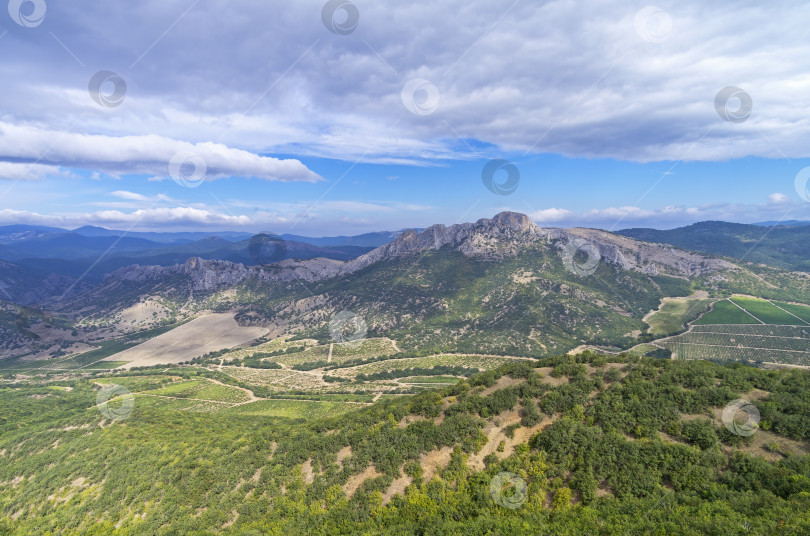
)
(783, 246)
(568, 445)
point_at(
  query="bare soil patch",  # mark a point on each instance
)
(356, 480)
(342, 454)
(307, 473)
(205, 334)
(397, 487)
(433, 461)
(502, 383)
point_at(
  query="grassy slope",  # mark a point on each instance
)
(674, 313)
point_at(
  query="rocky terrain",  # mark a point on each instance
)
(488, 239)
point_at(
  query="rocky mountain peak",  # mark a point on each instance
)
(515, 221)
(488, 237)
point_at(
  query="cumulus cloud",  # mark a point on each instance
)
(146, 154)
(15, 171)
(154, 218)
(779, 199)
(778, 207)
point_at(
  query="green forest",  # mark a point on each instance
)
(592, 444)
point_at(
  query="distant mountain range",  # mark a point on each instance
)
(787, 223)
(785, 245)
(91, 252)
(16, 233)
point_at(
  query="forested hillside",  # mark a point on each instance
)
(586, 445)
(782, 246)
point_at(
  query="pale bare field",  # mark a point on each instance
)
(205, 334)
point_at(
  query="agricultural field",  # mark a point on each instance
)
(674, 313)
(747, 330)
(275, 346)
(767, 312)
(339, 353)
(450, 360)
(204, 390)
(801, 311)
(204, 334)
(277, 379)
(94, 357)
(430, 380)
(294, 409)
(209, 395)
(726, 312)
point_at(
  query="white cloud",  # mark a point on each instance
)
(155, 218)
(778, 207)
(143, 154)
(550, 216)
(15, 171)
(132, 196)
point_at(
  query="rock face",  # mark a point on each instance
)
(644, 257)
(503, 235)
(482, 238)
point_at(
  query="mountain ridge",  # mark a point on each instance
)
(487, 238)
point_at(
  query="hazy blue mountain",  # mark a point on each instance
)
(71, 246)
(366, 240)
(77, 259)
(787, 223)
(782, 246)
(164, 237)
(11, 233)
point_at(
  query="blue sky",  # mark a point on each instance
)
(295, 119)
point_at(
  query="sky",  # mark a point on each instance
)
(325, 118)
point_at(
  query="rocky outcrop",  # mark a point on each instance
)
(485, 238)
(629, 254)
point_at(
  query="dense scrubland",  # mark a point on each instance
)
(590, 444)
